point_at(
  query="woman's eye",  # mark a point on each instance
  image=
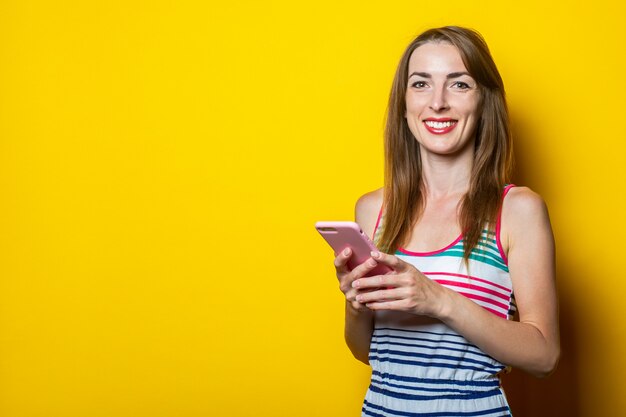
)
(419, 84)
(461, 85)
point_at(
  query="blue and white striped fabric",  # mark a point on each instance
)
(420, 366)
(429, 370)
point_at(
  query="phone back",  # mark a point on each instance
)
(341, 235)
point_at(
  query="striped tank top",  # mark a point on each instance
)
(420, 366)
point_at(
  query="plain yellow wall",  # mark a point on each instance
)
(162, 164)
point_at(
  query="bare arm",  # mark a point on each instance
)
(532, 344)
(359, 320)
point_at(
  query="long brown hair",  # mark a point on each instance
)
(493, 155)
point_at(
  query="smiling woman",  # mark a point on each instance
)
(472, 290)
(442, 100)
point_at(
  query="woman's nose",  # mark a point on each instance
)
(438, 100)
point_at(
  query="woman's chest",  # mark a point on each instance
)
(436, 229)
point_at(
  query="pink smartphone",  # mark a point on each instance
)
(341, 235)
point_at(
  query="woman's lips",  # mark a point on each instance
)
(440, 126)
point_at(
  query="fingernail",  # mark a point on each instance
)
(375, 254)
(355, 283)
(346, 252)
(359, 298)
(372, 262)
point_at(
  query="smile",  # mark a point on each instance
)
(440, 127)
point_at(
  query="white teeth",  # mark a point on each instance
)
(439, 125)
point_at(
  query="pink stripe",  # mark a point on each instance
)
(470, 277)
(472, 287)
(484, 299)
(380, 214)
(499, 224)
(408, 252)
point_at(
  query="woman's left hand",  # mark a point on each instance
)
(404, 289)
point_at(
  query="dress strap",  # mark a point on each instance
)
(499, 224)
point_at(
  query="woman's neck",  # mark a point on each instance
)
(446, 175)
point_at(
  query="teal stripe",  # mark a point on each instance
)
(459, 254)
(488, 252)
(483, 255)
(487, 244)
(489, 241)
(493, 247)
(481, 252)
(488, 248)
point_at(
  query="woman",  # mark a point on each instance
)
(438, 331)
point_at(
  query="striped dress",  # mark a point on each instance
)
(421, 367)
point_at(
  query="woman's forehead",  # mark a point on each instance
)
(436, 58)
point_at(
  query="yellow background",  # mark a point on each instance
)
(162, 164)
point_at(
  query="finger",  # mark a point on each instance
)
(378, 296)
(341, 261)
(351, 298)
(359, 306)
(390, 260)
(346, 280)
(363, 269)
(387, 280)
(351, 293)
(386, 305)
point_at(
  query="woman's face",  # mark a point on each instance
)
(443, 101)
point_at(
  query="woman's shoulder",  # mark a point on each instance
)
(524, 212)
(523, 202)
(367, 209)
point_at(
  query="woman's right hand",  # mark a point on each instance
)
(346, 277)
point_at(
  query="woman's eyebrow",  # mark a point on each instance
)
(457, 74)
(451, 75)
(421, 74)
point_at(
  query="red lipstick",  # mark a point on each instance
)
(439, 126)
